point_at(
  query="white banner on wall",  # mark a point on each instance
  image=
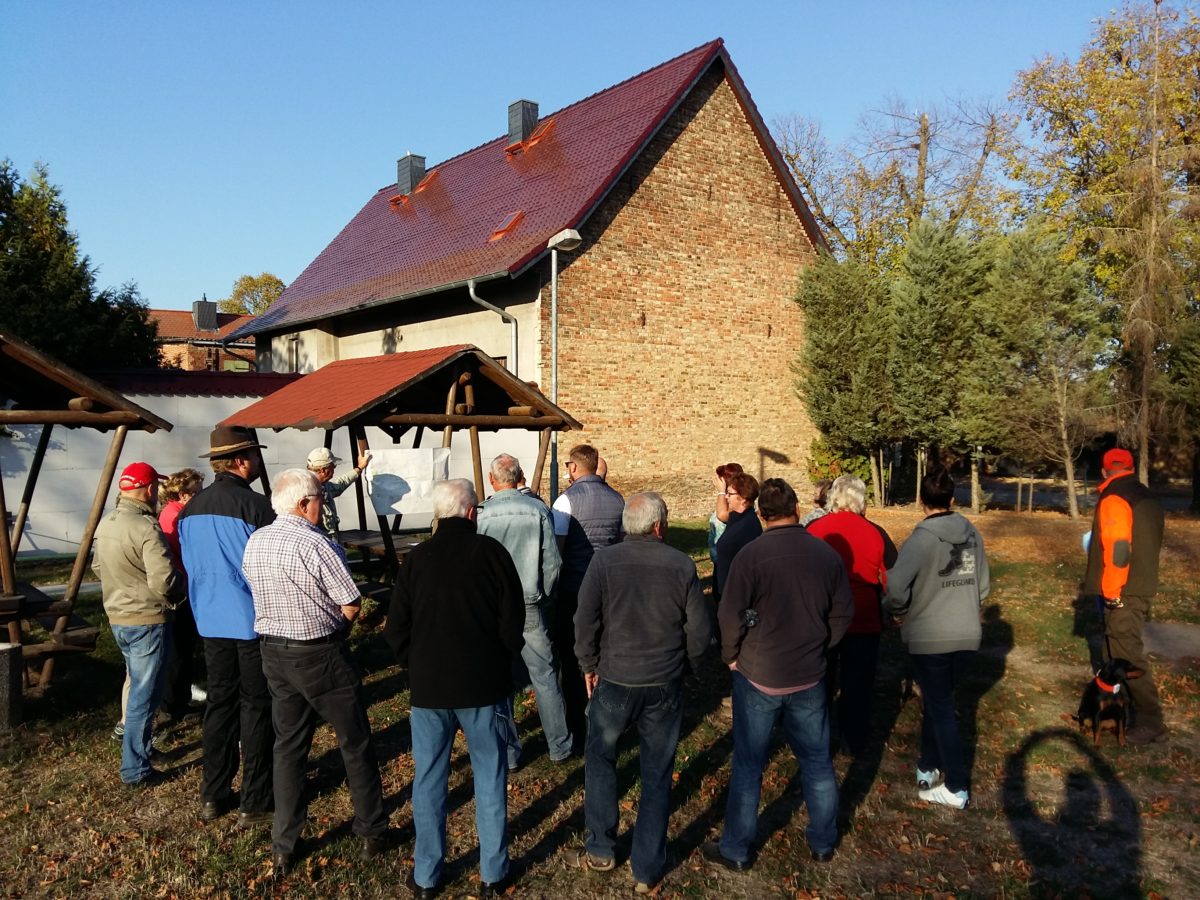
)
(401, 481)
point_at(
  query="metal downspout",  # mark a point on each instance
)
(507, 317)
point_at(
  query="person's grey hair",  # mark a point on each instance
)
(506, 470)
(454, 499)
(847, 492)
(290, 487)
(642, 511)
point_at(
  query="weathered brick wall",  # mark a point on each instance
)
(677, 327)
(192, 358)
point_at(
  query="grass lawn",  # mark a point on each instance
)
(1050, 815)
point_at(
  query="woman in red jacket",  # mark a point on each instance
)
(867, 551)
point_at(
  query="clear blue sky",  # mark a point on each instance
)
(198, 142)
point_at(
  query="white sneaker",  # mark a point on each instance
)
(926, 780)
(199, 695)
(943, 795)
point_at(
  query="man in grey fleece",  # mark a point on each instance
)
(641, 612)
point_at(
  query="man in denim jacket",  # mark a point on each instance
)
(522, 524)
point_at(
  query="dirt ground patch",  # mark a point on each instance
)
(1050, 814)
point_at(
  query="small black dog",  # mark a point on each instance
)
(1105, 701)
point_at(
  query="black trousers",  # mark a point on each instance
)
(573, 689)
(181, 664)
(307, 682)
(239, 709)
(851, 675)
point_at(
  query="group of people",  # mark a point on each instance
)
(603, 615)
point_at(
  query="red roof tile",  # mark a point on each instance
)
(340, 392)
(178, 325)
(440, 236)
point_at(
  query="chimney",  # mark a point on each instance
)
(410, 169)
(204, 314)
(522, 119)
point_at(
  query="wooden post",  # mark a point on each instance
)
(448, 432)
(1031, 489)
(476, 460)
(389, 545)
(8, 575)
(1017, 505)
(358, 448)
(85, 541)
(35, 469)
(543, 446)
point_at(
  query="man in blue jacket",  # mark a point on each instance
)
(213, 530)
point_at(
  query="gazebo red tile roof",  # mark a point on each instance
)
(443, 234)
(343, 391)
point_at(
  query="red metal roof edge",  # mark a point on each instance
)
(185, 383)
(715, 48)
(358, 307)
(771, 149)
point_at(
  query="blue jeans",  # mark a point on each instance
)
(941, 743)
(145, 648)
(432, 736)
(804, 716)
(657, 713)
(538, 656)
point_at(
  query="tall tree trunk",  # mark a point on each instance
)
(876, 481)
(976, 493)
(1072, 501)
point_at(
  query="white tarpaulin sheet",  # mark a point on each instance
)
(401, 481)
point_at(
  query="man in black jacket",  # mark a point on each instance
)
(786, 602)
(457, 618)
(641, 616)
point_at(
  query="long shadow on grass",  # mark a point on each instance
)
(1092, 845)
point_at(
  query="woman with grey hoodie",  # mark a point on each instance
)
(935, 591)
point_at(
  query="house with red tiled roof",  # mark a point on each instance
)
(675, 324)
(199, 339)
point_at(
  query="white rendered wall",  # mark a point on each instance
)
(71, 470)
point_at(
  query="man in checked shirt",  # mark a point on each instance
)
(304, 602)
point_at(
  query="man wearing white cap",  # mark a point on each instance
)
(140, 588)
(322, 463)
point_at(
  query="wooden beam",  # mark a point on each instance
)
(358, 441)
(71, 417)
(8, 575)
(85, 541)
(35, 468)
(452, 421)
(524, 411)
(80, 403)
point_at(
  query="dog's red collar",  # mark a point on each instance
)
(1106, 687)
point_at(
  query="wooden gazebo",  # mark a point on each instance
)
(36, 389)
(446, 388)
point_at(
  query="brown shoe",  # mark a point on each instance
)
(1147, 734)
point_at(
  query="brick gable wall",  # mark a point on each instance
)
(677, 328)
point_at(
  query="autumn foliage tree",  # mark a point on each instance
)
(252, 294)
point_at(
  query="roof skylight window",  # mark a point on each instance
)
(510, 223)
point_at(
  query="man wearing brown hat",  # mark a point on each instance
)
(140, 588)
(213, 530)
(1122, 570)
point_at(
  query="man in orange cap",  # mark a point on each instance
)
(1122, 569)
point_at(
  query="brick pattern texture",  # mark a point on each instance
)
(197, 359)
(677, 327)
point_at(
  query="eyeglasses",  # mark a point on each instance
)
(732, 494)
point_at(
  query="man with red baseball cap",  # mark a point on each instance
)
(140, 588)
(1122, 569)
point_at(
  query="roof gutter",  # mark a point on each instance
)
(506, 316)
(292, 325)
